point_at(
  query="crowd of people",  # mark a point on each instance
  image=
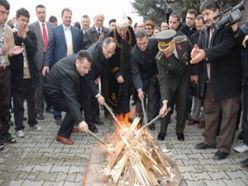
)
(188, 67)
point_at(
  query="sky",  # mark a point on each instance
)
(110, 8)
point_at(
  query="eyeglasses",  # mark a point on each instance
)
(148, 28)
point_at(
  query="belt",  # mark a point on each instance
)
(4, 68)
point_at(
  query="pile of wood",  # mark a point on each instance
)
(136, 160)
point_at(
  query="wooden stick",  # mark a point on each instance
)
(112, 114)
(154, 119)
(144, 111)
(96, 137)
(151, 122)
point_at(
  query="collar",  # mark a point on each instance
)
(66, 28)
(40, 23)
(98, 28)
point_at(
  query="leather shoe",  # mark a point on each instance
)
(161, 136)
(203, 146)
(50, 110)
(98, 121)
(66, 141)
(180, 136)
(7, 138)
(244, 163)
(58, 121)
(40, 116)
(93, 129)
(152, 127)
(201, 124)
(220, 155)
(192, 121)
(75, 129)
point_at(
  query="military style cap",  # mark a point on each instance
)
(165, 38)
(165, 35)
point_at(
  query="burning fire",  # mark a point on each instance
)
(135, 158)
(124, 120)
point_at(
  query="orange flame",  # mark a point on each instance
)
(125, 123)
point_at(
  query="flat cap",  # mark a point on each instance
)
(165, 35)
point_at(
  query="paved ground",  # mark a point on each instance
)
(39, 159)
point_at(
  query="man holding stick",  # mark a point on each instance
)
(145, 74)
(174, 77)
(101, 52)
(62, 91)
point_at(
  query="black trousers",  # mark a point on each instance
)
(179, 99)
(4, 101)
(152, 93)
(90, 104)
(39, 95)
(58, 102)
(22, 92)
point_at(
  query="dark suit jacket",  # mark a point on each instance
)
(187, 31)
(16, 62)
(143, 64)
(98, 67)
(39, 55)
(92, 36)
(57, 48)
(225, 64)
(63, 81)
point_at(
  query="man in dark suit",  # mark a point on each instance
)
(23, 73)
(43, 31)
(62, 91)
(65, 40)
(101, 52)
(85, 23)
(145, 73)
(188, 28)
(96, 32)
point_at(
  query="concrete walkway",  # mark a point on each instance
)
(38, 159)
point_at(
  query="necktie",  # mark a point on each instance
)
(209, 45)
(99, 31)
(45, 38)
(68, 38)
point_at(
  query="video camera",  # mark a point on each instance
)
(229, 16)
(170, 1)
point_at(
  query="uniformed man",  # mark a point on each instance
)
(174, 76)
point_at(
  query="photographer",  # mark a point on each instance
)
(218, 55)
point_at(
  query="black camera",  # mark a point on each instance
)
(229, 17)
